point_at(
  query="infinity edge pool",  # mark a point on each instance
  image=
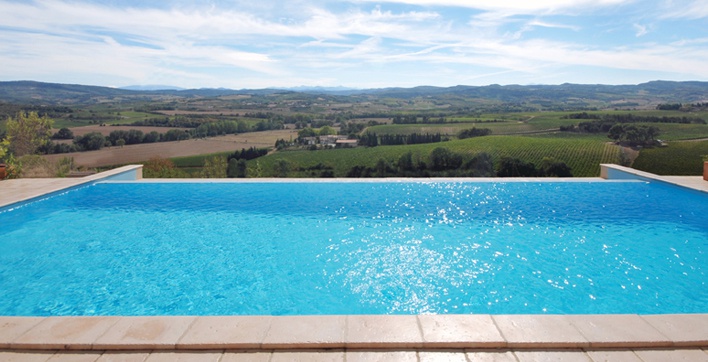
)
(349, 332)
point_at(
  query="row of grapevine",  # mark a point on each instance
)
(582, 155)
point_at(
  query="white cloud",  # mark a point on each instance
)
(544, 24)
(640, 30)
(695, 9)
(218, 46)
(511, 7)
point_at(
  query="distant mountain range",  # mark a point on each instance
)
(151, 87)
(38, 93)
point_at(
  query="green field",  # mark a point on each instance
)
(678, 158)
(582, 155)
(83, 118)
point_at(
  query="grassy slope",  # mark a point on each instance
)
(583, 155)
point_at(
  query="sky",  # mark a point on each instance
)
(359, 43)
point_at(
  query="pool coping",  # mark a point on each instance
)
(357, 332)
(365, 332)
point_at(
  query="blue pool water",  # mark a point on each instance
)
(356, 248)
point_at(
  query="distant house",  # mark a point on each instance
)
(347, 143)
(309, 141)
(330, 141)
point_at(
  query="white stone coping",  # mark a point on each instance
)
(380, 332)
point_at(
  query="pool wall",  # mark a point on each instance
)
(19, 190)
(616, 172)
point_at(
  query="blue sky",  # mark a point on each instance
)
(360, 43)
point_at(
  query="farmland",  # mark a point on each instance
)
(531, 128)
(106, 130)
(113, 156)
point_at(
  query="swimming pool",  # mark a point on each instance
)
(356, 248)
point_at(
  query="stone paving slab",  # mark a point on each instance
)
(152, 333)
(381, 332)
(681, 329)
(460, 331)
(540, 331)
(687, 355)
(618, 331)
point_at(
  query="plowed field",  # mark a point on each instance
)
(143, 152)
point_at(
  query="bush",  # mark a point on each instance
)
(158, 167)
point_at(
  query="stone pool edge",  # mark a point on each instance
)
(365, 332)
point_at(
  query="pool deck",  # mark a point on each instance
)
(351, 337)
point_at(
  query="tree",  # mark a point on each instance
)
(616, 132)
(91, 141)
(64, 134)
(550, 167)
(214, 167)
(306, 132)
(474, 132)
(442, 159)
(481, 165)
(4, 148)
(382, 168)
(369, 139)
(514, 167)
(327, 130)
(134, 137)
(405, 163)
(281, 168)
(236, 168)
(28, 132)
(151, 137)
(635, 135)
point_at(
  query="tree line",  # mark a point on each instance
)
(691, 107)
(95, 140)
(603, 119)
(371, 139)
(442, 162)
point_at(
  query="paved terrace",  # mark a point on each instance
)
(349, 338)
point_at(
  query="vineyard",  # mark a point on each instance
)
(678, 158)
(582, 155)
(452, 129)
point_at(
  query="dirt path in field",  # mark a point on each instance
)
(143, 152)
(631, 153)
